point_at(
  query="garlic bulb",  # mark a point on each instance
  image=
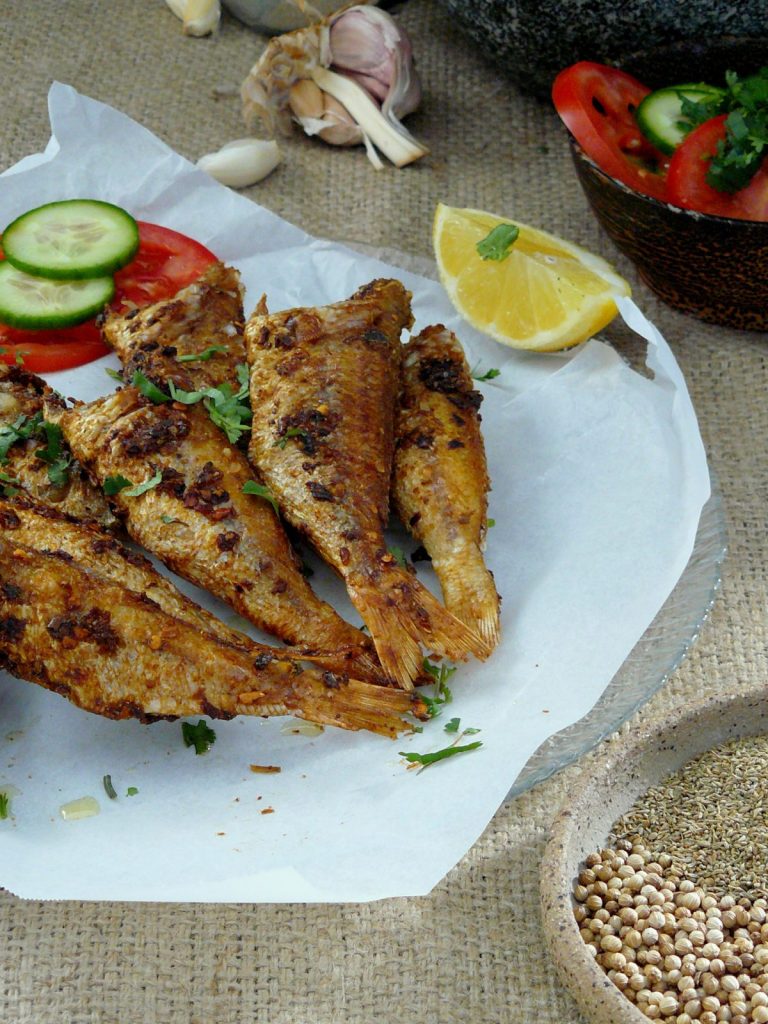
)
(241, 162)
(348, 79)
(199, 17)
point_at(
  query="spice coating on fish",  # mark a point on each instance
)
(75, 628)
(323, 389)
(205, 318)
(440, 479)
(198, 521)
(22, 399)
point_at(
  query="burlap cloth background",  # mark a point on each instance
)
(471, 951)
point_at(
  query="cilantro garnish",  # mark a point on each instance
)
(114, 374)
(251, 487)
(399, 556)
(148, 389)
(439, 755)
(498, 243)
(146, 486)
(491, 374)
(453, 725)
(740, 154)
(109, 789)
(290, 432)
(4, 805)
(199, 736)
(21, 430)
(131, 791)
(442, 694)
(224, 405)
(54, 455)
(9, 485)
(203, 357)
(490, 523)
(114, 484)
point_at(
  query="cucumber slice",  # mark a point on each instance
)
(659, 115)
(72, 239)
(39, 302)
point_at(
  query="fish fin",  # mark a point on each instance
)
(355, 661)
(402, 615)
(471, 596)
(327, 699)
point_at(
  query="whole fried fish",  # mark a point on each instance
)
(323, 388)
(194, 516)
(194, 339)
(32, 455)
(70, 621)
(440, 479)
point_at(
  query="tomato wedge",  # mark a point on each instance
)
(597, 103)
(687, 178)
(165, 262)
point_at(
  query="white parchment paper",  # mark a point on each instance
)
(599, 477)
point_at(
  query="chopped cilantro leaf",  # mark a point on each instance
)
(453, 725)
(203, 357)
(114, 374)
(439, 755)
(399, 556)
(148, 389)
(146, 486)
(109, 789)
(21, 429)
(290, 432)
(4, 805)
(9, 485)
(54, 455)
(199, 736)
(114, 484)
(251, 487)
(131, 791)
(497, 243)
(442, 694)
(490, 523)
(491, 374)
(226, 407)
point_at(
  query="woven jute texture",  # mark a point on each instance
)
(472, 949)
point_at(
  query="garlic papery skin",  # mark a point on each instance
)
(397, 144)
(242, 162)
(368, 46)
(199, 17)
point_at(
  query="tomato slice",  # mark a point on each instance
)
(687, 179)
(597, 103)
(166, 261)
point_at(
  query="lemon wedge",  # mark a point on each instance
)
(544, 294)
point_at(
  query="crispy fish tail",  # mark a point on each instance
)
(470, 593)
(401, 615)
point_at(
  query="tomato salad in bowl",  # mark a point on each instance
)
(698, 145)
(63, 263)
(671, 150)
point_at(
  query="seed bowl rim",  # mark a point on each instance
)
(710, 723)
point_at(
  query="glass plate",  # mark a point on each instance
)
(664, 644)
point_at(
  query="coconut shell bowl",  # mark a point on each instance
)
(714, 268)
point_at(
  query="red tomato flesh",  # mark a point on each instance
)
(165, 262)
(597, 103)
(687, 178)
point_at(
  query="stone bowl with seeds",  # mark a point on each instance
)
(654, 883)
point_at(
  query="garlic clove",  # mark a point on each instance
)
(368, 46)
(320, 114)
(242, 162)
(199, 17)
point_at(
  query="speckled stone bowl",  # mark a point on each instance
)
(610, 784)
(531, 40)
(714, 268)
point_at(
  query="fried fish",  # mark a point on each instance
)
(31, 453)
(440, 479)
(194, 516)
(323, 389)
(71, 621)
